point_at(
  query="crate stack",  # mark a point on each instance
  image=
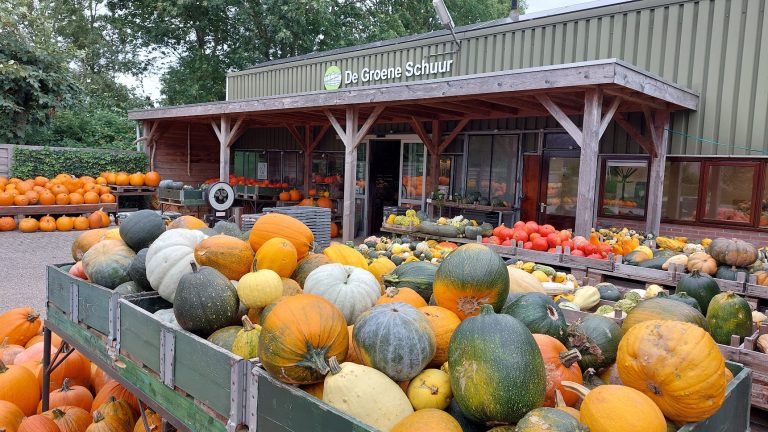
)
(318, 219)
(247, 221)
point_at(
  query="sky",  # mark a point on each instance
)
(149, 84)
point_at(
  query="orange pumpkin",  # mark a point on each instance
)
(136, 179)
(8, 352)
(443, 323)
(94, 221)
(70, 418)
(38, 423)
(6, 199)
(91, 198)
(273, 225)
(229, 255)
(428, 419)
(32, 197)
(46, 198)
(69, 395)
(75, 198)
(10, 416)
(107, 198)
(41, 181)
(312, 192)
(353, 354)
(114, 389)
(295, 194)
(19, 325)
(47, 224)
(58, 189)
(334, 230)
(111, 178)
(122, 179)
(402, 295)
(75, 367)
(100, 180)
(98, 378)
(29, 225)
(62, 199)
(279, 255)
(188, 222)
(307, 202)
(55, 340)
(105, 222)
(560, 365)
(65, 223)
(103, 190)
(81, 223)
(119, 408)
(324, 202)
(152, 179)
(7, 223)
(154, 421)
(20, 200)
(17, 386)
(24, 187)
(284, 196)
(86, 240)
(102, 423)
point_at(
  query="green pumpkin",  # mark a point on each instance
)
(138, 270)
(505, 428)
(497, 372)
(729, 272)
(306, 265)
(685, 298)
(654, 263)
(663, 309)
(634, 258)
(466, 424)
(141, 228)
(107, 262)
(205, 301)
(419, 276)
(700, 286)
(246, 343)
(540, 314)
(608, 291)
(396, 339)
(224, 337)
(597, 339)
(471, 232)
(228, 228)
(129, 287)
(729, 314)
(549, 419)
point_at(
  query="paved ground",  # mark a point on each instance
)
(22, 268)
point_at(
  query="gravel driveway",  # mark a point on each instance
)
(23, 266)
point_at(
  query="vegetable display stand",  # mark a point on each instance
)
(23, 211)
(750, 357)
(123, 192)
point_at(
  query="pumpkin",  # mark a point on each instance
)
(29, 225)
(137, 271)
(107, 262)
(10, 416)
(260, 288)
(597, 339)
(380, 267)
(154, 421)
(417, 275)
(47, 224)
(136, 179)
(141, 228)
(335, 232)
(685, 298)
(489, 385)
(95, 221)
(115, 400)
(17, 386)
(103, 423)
(225, 337)
(430, 419)
(277, 254)
(85, 241)
(728, 315)
(7, 223)
(733, 252)
(540, 314)
(307, 265)
(229, 255)
(38, 423)
(351, 289)
(80, 223)
(187, 222)
(69, 395)
(430, 389)
(205, 301)
(677, 365)
(611, 408)
(246, 343)
(545, 419)
(70, 418)
(761, 277)
(343, 254)
(560, 365)
(402, 295)
(277, 225)
(152, 179)
(315, 389)
(119, 408)
(396, 339)
(122, 179)
(98, 379)
(700, 286)
(8, 352)
(168, 260)
(663, 309)
(65, 223)
(469, 277)
(702, 262)
(365, 394)
(298, 337)
(443, 323)
(55, 340)
(19, 325)
(291, 287)
(76, 367)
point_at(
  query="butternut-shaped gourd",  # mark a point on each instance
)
(586, 297)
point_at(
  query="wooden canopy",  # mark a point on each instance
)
(596, 92)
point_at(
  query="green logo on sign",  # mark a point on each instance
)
(332, 78)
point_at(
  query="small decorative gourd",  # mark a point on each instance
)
(246, 343)
(430, 389)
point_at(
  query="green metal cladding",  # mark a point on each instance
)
(718, 48)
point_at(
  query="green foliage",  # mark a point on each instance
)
(29, 162)
(96, 129)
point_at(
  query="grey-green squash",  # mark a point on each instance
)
(205, 301)
(137, 271)
(608, 291)
(141, 228)
(549, 419)
(419, 276)
(129, 287)
(729, 314)
(597, 339)
(540, 314)
(224, 337)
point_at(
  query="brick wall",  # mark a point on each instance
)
(693, 232)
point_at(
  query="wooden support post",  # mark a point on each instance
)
(656, 179)
(223, 133)
(590, 146)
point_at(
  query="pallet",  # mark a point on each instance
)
(23, 211)
(132, 189)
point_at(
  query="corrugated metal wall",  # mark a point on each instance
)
(716, 47)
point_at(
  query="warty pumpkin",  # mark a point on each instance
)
(19, 325)
(729, 314)
(114, 389)
(120, 409)
(443, 323)
(18, 385)
(107, 262)
(103, 423)
(168, 260)
(430, 419)
(277, 254)
(611, 408)
(560, 364)
(38, 423)
(229, 255)
(430, 389)
(345, 255)
(352, 289)
(273, 225)
(69, 395)
(10, 416)
(677, 365)
(298, 337)
(69, 418)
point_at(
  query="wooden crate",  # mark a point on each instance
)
(733, 415)
(758, 362)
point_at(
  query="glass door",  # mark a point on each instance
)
(559, 189)
(361, 190)
(413, 167)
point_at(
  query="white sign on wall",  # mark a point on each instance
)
(332, 78)
(261, 171)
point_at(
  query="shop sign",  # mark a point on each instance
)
(334, 77)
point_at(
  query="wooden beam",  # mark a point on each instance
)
(297, 136)
(656, 179)
(609, 115)
(323, 130)
(350, 173)
(464, 109)
(369, 122)
(223, 133)
(494, 107)
(236, 132)
(586, 203)
(217, 131)
(650, 121)
(635, 97)
(335, 123)
(422, 134)
(645, 142)
(451, 136)
(561, 118)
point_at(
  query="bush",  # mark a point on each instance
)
(91, 128)
(30, 162)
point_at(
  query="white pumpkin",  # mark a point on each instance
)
(352, 289)
(168, 259)
(365, 394)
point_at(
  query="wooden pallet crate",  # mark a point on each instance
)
(750, 357)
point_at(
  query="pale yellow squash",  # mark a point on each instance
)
(520, 281)
(260, 288)
(430, 389)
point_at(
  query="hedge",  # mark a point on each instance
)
(29, 162)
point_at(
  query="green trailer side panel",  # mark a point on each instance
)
(140, 334)
(93, 306)
(59, 283)
(204, 371)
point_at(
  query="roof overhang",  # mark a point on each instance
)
(491, 95)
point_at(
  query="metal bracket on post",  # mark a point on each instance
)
(74, 302)
(113, 340)
(238, 395)
(252, 400)
(167, 350)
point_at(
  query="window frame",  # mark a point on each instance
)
(603, 165)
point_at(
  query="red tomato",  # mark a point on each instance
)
(564, 235)
(540, 244)
(533, 236)
(546, 229)
(596, 256)
(519, 225)
(528, 245)
(553, 240)
(506, 242)
(576, 252)
(531, 227)
(520, 235)
(567, 243)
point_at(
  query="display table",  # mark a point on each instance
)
(122, 192)
(502, 212)
(33, 210)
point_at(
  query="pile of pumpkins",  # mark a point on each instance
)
(97, 219)
(82, 398)
(64, 189)
(137, 179)
(404, 249)
(470, 344)
(292, 195)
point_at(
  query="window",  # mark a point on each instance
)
(681, 190)
(492, 169)
(413, 169)
(625, 184)
(562, 186)
(764, 200)
(729, 187)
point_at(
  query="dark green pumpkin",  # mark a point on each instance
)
(396, 339)
(608, 291)
(729, 272)
(466, 424)
(141, 228)
(512, 296)
(129, 287)
(224, 337)
(685, 298)
(306, 265)
(549, 419)
(654, 263)
(597, 339)
(205, 301)
(729, 314)
(138, 270)
(107, 263)
(471, 232)
(540, 314)
(663, 309)
(700, 286)
(497, 372)
(419, 276)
